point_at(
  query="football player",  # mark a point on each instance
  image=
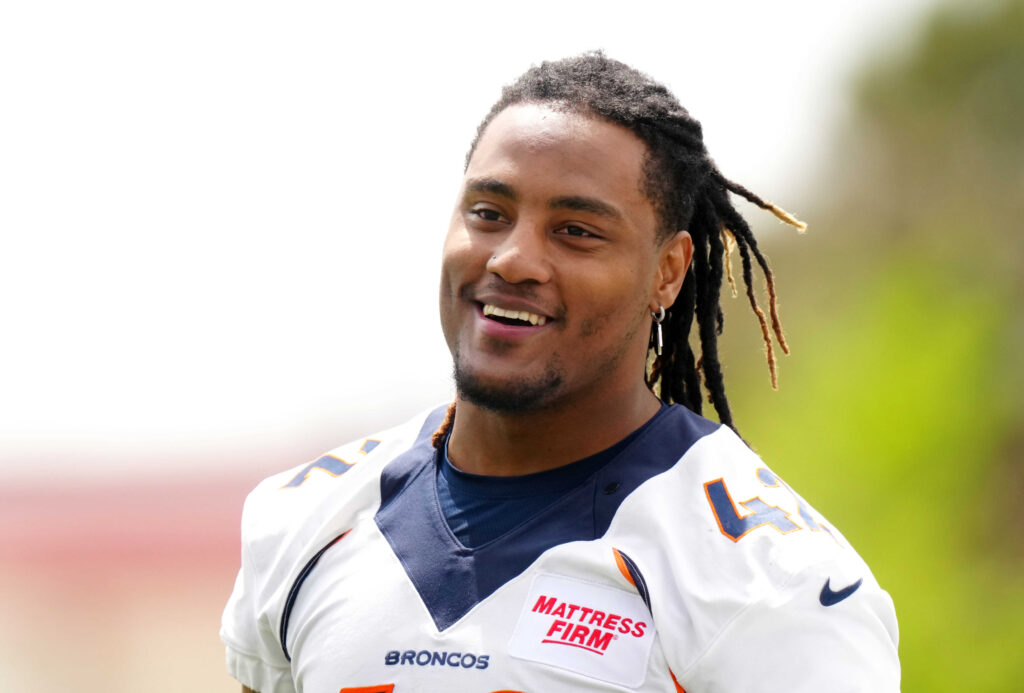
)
(570, 522)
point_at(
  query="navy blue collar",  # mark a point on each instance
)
(450, 578)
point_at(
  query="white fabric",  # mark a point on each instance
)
(725, 614)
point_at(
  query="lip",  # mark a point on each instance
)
(509, 302)
(493, 328)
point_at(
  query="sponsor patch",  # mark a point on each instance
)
(598, 631)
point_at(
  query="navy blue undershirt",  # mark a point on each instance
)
(481, 508)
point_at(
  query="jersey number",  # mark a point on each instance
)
(335, 466)
(737, 525)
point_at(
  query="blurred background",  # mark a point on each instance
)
(220, 226)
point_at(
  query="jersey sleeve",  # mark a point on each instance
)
(286, 520)
(253, 651)
(797, 643)
(762, 593)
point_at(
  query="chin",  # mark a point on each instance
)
(507, 397)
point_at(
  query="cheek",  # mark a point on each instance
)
(458, 263)
(456, 260)
(619, 304)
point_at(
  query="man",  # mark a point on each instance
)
(560, 527)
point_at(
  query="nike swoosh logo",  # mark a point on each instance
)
(829, 597)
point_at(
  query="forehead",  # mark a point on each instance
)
(562, 152)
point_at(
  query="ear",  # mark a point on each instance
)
(673, 261)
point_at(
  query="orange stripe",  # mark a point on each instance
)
(679, 689)
(621, 562)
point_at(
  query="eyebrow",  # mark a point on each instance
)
(586, 204)
(492, 186)
(577, 203)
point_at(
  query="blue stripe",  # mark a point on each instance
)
(638, 578)
(293, 594)
(429, 426)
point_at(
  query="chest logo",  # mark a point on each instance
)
(595, 630)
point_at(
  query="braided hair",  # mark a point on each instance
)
(688, 192)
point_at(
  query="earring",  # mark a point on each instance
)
(658, 318)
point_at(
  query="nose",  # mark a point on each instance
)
(522, 255)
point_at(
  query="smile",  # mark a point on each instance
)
(512, 317)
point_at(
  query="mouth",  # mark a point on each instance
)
(505, 316)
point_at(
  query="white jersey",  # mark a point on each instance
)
(682, 564)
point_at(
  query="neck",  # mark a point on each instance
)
(501, 444)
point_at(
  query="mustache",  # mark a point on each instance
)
(525, 291)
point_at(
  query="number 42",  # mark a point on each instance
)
(760, 514)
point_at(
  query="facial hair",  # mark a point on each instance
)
(517, 397)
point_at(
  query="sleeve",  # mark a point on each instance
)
(254, 654)
(794, 642)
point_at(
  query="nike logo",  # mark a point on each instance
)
(829, 597)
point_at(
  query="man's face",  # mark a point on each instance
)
(550, 262)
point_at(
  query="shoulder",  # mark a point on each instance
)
(286, 521)
(726, 500)
(729, 553)
(291, 515)
(346, 476)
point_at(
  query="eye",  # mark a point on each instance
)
(576, 231)
(486, 214)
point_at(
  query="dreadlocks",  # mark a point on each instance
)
(688, 192)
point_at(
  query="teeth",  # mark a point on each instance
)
(523, 315)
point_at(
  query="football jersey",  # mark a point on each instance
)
(683, 564)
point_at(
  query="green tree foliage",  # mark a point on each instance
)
(903, 305)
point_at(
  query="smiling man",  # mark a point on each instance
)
(552, 267)
(570, 522)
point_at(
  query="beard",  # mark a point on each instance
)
(518, 397)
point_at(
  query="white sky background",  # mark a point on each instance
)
(220, 222)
